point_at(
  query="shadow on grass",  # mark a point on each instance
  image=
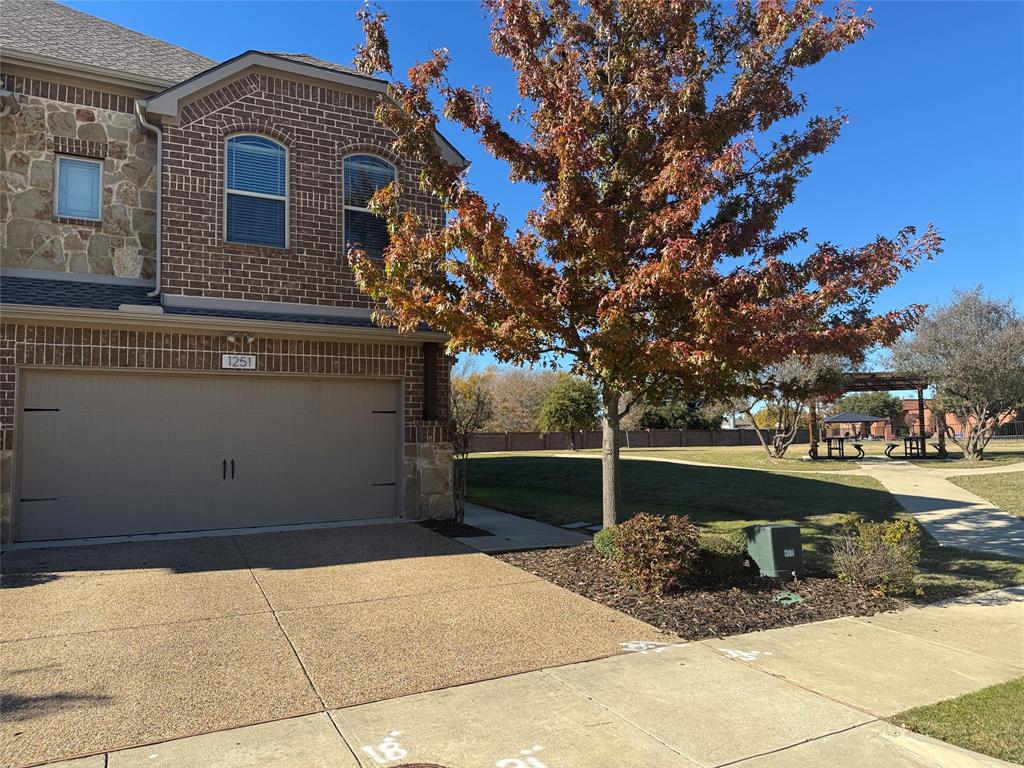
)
(560, 490)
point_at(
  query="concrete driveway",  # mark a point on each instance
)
(119, 645)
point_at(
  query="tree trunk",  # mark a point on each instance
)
(611, 491)
(749, 411)
(812, 428)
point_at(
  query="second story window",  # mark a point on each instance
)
(79, 187)
(256, 188)
(364, 175)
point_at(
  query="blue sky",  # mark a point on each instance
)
(935, 96)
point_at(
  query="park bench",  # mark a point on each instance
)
(859, 447)
(889, 448)
(940, 450)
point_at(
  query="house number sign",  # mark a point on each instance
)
(238, 362)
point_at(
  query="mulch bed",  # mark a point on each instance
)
(453, 529)
(706, 612)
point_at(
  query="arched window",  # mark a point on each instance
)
(362, 176)
(256, 188)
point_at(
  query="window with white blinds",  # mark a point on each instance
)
(362, 176)
(256, 191)
(79, 192)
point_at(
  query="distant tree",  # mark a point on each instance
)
(880, 404)
(571, 405)
(972, 351)
(681, 414)
(784, 391)
(665, 141)
(516, 397)
(470, 410)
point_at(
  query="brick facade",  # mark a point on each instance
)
(318, 126)
(106, 348)
(69, 94)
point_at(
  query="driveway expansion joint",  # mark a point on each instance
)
(277, 621)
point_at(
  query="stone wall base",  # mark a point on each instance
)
(5, 496)
(428, 481)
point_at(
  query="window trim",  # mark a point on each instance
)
(286, 198)
(56, 188)
(344, 205)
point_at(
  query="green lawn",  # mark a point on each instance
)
(1005, 490)
(997, 453)
(565, 489)
(745, 456)
(990, 721)
(753, 456)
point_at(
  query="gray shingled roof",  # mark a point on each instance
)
(66, 293)
(46, 28)
(305, 58)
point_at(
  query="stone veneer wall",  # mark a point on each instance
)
(428, 452)
(123, 243)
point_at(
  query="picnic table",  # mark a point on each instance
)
(836, 447)
(913, 446)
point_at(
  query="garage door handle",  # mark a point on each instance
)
(232, 469)
(224, 470)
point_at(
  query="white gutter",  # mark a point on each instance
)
(139, 107)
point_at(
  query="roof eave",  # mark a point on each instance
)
(118, 78)
(129, 319)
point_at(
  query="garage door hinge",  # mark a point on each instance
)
(40, 409)
(45, 498)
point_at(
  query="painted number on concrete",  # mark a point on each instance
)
(388, 751)
(525, 760)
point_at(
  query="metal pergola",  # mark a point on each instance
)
(882, 381)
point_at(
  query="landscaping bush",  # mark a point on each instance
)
(656, 554)
(722, 558)
(880, 556)
(604, 542)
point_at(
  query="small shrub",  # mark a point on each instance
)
(656, 554)
(604, 542)
(722, 558)
(880, 556)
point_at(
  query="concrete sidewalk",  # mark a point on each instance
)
(954, 516)
(800, 696)
(512, 532)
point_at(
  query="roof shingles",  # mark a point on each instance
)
(46, 28)
(42, 292)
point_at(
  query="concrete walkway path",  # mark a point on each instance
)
(954, 516)
(809, 695)
(512, 532)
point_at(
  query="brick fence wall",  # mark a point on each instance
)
(491, 442)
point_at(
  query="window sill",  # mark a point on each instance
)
(270, 250)
(95, 223)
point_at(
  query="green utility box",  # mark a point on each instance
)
(776, 550)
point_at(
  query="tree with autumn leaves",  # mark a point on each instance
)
(664, 137)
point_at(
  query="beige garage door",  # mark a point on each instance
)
(119, 453)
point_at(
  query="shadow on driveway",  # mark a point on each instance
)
(142, 642)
